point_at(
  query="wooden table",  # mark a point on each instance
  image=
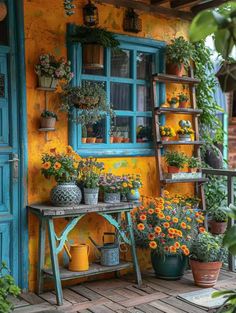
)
(48, 213)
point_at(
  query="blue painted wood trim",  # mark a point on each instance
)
(21, 90)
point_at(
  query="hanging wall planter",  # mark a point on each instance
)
(93, 56)
(132, 22)
(3, 11)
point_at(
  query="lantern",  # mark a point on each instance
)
(3, 10)
(132, 22)
(90, 14)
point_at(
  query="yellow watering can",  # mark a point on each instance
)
(79, 257)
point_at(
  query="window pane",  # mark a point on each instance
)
(145, 65)
(121, 129)
(120, 63)
(121, 96)
(93, 56)
(144, 129)
(94, 133)
(143, 98)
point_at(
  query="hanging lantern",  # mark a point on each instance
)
(132, 22)
(3, 11)
(90, 14)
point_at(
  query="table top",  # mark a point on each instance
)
(48, 210)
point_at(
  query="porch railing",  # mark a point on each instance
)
(229, 174)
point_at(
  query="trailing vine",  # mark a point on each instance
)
(210, 126)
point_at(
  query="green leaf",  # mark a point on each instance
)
(203, 25)
(223, 42)
(222, 293)
(229, 240)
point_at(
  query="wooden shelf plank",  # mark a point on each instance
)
(165, 78)
(46, 129)
(94, 269)
(192, 180)
(46, 89)
(175, 143)
(167, 110)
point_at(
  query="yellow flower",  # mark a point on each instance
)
(46, 165)
(57, 166)
(132, 192)
(75, 165)
(124, 185)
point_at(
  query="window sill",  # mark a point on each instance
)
(114, 152)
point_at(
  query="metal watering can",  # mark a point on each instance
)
(78, 255)
(110, 253)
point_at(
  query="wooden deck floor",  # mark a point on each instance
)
(122, 296)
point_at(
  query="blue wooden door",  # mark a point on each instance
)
(9, 145)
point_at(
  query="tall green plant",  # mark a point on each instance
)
(204, 71)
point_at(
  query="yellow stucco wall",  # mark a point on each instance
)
(45, 30)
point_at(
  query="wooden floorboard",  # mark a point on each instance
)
(122, 295)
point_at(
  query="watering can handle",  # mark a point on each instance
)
(67, 251)
(108, 234)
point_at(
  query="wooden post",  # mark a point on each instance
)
(41, 255)
(230, 189)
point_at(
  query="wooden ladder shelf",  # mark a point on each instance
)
(159, 111)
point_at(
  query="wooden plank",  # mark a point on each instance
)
(207, 5)
(108, 284)
(114, 306)
(164, 307)
(143, 299)
(182, 143)
(146, 308)
(167, 110)
(145, 288)
(72, 297)
(166, 78)
(185, 307)
(86, 292)
(153, 283)
(192, 180)
(31, 298)
(136, 290)
(111, 295)
(18, 302)
(51, 298)
(100, 309)
(158, 2)
(127, 293)
(183, 3)
(37, 308)
(86, 305)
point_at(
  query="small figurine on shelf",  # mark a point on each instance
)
(183, 100)
(166, 133)
(48, 119)
(185, 131)
(173, 102)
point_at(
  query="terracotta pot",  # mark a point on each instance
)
(173, 169)
(175, 69)
(139, 140)
(183, 104)
(165, 138)
(91, 140)
(83, 140)
(99, 140)
(205, 274)
(117, 139)
(3, 11)
(192, 170)
(93, 56)
(111, 139)
(217, 228)
(47, 122)
(126, 140)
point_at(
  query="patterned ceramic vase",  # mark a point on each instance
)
(133, 196)
(66, 194)
(91, 195)
(112, 197)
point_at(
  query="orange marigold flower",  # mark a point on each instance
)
(197, 214)
(183, 247)
(202, 230)
(151, 236)
(172, 249)
(150, 211)
(143, 217)
(53, 150)
(171, 231)
(46, 165)
(157, 210)
(175, 200)
(69, 149)
(180, 234)
(153, 244)
(175, 219)
(177, 245)
(157, 229)
(141, 226)
(161, 216)
(171, 236)
(189, 219)
(183, 225)
(166, 225)
(168, 218)
(57, 166)
(186, 251)
(141, 207)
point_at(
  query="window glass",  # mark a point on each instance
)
(121, 129)
(94, 133)
(120, 63)
(145, 65)
(144, 129)
(143, 98)
(121, 96)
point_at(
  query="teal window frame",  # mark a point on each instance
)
(108, 149)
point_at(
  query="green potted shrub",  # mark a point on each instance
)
(218, 222)
(89, 172)
(193, 164)
(48, 119)
(175, 161)
(206, 255)
(178, 54)
(184, 133)
(183, 100)
(94, 40)
(90, 98)
(173, 102)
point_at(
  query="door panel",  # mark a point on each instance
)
(4, 185)
(4, 127)
(5, 242)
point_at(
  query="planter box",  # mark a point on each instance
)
(183, 175)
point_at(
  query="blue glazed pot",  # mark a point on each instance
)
(133, 197)
(170, 266)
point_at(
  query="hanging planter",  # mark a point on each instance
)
(93, 41)
(3, 11)
(90, 14)
(132, 22)
(227, 76)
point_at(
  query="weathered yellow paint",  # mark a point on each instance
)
(45, 30)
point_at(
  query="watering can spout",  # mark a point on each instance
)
(94, 243)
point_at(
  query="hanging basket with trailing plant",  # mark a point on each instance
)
(93, 41)
(90, 98)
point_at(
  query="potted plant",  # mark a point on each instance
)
(89, 171)
(63, 167)
(48, 119)
(90, 99)
(184, 133)
(130, 187)
(111, 186)
(193, 164)
(175, 161)
(218, 222)
(183, 100)
(178, 54)
(206, 255)
(50, 71)
(144, 133)
(8, 289)
(166, 133)
(173, 102)
(164, 225)
(94, 40)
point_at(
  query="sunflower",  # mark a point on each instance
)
(46, 165)
(57, 166)
(141, 226)
(153, 244)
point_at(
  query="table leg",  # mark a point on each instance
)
(133, 248)
(54, 260)
(41, 255)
